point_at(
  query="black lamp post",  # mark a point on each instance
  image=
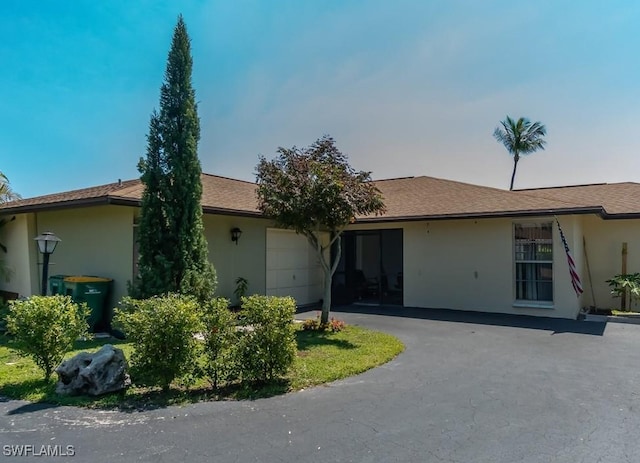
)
(47, 243)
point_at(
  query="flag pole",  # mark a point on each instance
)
(573, 273)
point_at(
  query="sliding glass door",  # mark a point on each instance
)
(370, 268)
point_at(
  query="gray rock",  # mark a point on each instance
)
(93, 374)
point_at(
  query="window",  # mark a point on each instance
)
(534, 261)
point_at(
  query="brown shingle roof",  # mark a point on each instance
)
(220, 195)
(226, 194)
(615, 198)
(435, 198)
(410, 198)
(86, 196)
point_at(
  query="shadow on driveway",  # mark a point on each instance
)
(30, 408)
(556, 325)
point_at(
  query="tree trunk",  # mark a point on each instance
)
(326, 299)
(513, 175)
(329, 269)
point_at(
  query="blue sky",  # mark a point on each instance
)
(405, 87)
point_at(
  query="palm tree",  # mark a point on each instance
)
(520, 137)
(6, 193)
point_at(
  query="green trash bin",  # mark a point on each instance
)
(56, 284)
(94, 291)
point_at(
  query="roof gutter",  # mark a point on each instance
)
(486, 215)
(628, 215)
(233, 212)
(86, 202)
(114, 201)
(131, 202)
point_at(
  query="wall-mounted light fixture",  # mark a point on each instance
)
(47, 243)
(235, 234)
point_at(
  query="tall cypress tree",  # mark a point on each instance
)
(173, 249)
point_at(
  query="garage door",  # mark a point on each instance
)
(292, 267)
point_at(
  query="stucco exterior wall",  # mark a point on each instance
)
(81, 229)
(604, 240)
(100, 241)
(565, 297)
(21, 257)
(469, 265)
(454, 264)
(247, 259)
(95, 241)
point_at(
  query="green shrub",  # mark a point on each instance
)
(200, 283)
(268, 343)
(242, 284)
(623, 285)
(45, 328)
(220, 341)
(162, 331)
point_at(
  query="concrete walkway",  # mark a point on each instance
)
(469, 388)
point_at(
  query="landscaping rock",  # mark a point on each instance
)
(93, 373)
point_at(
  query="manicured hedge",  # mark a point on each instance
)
(175, 337)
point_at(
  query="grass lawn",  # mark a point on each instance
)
(322, 357)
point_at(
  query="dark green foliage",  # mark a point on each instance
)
(315, 192)
(242, 284)
(162, 330)
(154, 269)
(268, 343)
(45, 328)
(173, 249)
(220, 341)
(4, 311)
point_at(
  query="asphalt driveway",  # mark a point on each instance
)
(468, 388)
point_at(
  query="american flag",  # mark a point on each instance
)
(575, 278)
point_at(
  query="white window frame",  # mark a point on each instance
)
(534, 302)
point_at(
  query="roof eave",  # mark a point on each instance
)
(625, 215)
(115, 201)
(485, 215)
(132, 202)
(59, 205)
(232, 212)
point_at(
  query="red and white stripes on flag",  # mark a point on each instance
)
(575, 278)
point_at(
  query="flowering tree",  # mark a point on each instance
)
(315, 191)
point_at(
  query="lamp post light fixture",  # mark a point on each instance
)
(47, 243)
(235, 234)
